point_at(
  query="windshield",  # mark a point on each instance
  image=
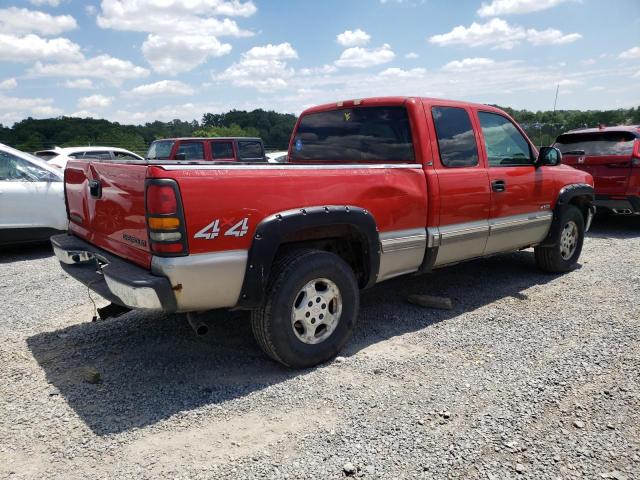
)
(594, 144)
(160, 150)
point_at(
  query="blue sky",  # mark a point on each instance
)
(135, 61)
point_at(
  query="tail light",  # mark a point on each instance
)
(635, 156)
(165, 218)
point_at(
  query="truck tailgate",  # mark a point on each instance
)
(106, 206)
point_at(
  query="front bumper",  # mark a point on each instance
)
(628, 205)
(115, 279)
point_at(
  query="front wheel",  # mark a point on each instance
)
(310, 309)
(564, 254)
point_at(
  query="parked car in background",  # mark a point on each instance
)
(228, 149)
(58, 157)
(612, 156)
(374, 188)
(277, 157)
(31, 198)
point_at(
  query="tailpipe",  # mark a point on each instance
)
(198, 326)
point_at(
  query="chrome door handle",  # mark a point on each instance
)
(498, 186)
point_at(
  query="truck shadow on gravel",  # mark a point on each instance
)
(27, 252)
(615, 226)
(153, 367)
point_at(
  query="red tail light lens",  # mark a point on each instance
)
(635, 160)
(165, 218)
(161, 200)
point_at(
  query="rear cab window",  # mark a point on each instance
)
(456, 138)
(160, 150)
(359, 134)
(191, 150)
(596, 143)
(251, 151)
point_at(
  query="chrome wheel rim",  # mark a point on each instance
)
(316, 311)
(569, 240)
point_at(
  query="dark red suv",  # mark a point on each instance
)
(612, 156)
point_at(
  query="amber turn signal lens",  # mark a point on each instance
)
(164, 223)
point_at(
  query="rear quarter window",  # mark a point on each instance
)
(160, 150)
(251, 151)
(595, 144)
(361, 134)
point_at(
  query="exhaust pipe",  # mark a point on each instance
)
(198, 326)
(623, 211)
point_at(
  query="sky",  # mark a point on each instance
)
(136, 61)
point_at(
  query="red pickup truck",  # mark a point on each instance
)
(375, 188)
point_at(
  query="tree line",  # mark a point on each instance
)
(274, 128)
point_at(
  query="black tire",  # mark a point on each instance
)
(550, 259)
(272, 323)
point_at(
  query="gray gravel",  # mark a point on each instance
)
(529, 376)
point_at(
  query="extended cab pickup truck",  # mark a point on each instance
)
(375, 188)
(218, 149)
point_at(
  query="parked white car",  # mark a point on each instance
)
(277, 157)
(58, 157)
(31, 198)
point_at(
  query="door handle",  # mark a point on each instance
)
(498, 186)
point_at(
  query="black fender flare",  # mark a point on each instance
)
(272, 231)
(565, 197)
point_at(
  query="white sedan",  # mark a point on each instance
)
(277, 157)
(58, 157)
(31, 198)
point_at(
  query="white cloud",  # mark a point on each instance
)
(588, 61)
(359, 57)
(8, 84)
(355, 38)
(550, 36)
(597, 88)
(264, 68)
(400, 73)
(630, 54)
(637, 74)
(51, 3)
(412, 56)
(163, 87)
(81, 83)
(84, 114)
(181, 53)
(32, 47)
(47, 111)
(94, 101)
(323, 70)
(18, 21)
(512, 7)
(182, 34)
(497, 33)
(104, 67)
(467, 64)
(90, 10)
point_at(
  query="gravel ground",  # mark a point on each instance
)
(529, 376)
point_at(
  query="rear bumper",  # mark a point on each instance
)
(628, 205)
(115, 279)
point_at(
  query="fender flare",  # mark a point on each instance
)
(273, 230)
(565, 196)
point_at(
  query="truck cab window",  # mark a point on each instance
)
(456, 140)
(505, 145)
(363, 134)
(251, 151)
(191, 150)
(222, 150)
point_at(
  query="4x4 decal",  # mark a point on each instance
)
(212, 230)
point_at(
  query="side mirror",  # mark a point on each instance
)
(548, 156)
(181, 156)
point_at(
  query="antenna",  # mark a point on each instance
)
(555, 102)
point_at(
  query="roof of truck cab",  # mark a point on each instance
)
(176, 139)
(618, 128)
(391, 101)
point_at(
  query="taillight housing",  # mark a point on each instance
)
(635, 156)
(165, 218)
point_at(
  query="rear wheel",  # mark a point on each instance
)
(310, 309)
(564, 254)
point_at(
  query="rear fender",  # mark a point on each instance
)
(275, 230)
